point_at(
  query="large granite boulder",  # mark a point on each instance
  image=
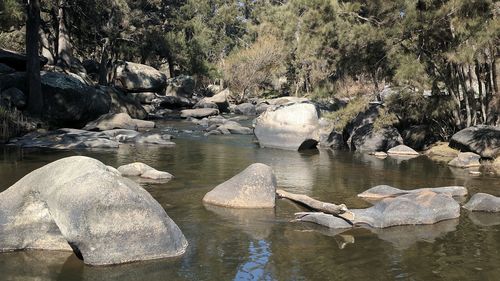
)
(135, 77)
(245, 109)
(484, 203)
(219, 101)
(16, 60)
(81, 204)
(369, 139)
(482, 140)
(466, 160)
(254, 187)
(117, 121)
(181, 86)
(292, 126)
(123, 103)
(67, 102)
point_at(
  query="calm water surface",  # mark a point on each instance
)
(227, 244)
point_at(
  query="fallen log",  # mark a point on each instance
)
(327, 208)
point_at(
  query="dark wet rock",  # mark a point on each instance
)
(465, 160)
(418, 137)
(142, 170)
(368, 139)
(123, 103)
(483, 140)
(135, 77)
(483, 202)
(402, 150)
(173, 102)
(254, 187)
(117, 121)
(245, 109)
(385, 191)
(330, 138)
(13, 98)
(67, 102)
(291, 126)
(181, 86)
(79, 201)
(5, 69)
(16, 60)
(199, 112)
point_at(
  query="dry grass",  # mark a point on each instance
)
(342, 117)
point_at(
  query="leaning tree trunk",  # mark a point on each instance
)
(64, 52)
(103, 65)
(35, 102)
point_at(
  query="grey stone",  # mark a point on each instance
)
(135, 77)
(385, 191)
(465, 160)
(484, 203)
(123, 103)
(323, 219)
(142, 170)
(254, 187)
(144, 97)
(154, 138)
(483, 140)
(402, 150)
(180, 86)
(117, 121)
(245, 109)
(78, 202)
(291, 126)
(235, 128)
(199, 112)
(368, 139)
(220, 101)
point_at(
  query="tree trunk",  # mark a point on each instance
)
(103, 65)
(64, 52)
(35, 101)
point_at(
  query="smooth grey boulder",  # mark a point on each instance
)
(465, 160)
(369, 139)
(142, 170)
(385, 191)
(245, 109)
(425, 207)
(135, 77)
(254, 187)
(402, 150)
(67, 102)
(199, 112)
(483, 202)
(117, 121)
(483, 140)
(290, 126)
(79, 203)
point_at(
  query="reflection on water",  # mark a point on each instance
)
(230, 244)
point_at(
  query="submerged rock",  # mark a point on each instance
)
(484, 203)
(117, 121)
(385, 191)
(78, 203)
(483, 140)
(254, 187)
(142, 170)
(291, 126)
(199, 112)
(466, 160)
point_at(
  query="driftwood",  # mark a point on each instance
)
(327, 208)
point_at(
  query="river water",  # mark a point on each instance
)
(227, 244)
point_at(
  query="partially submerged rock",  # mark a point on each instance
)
(367, 139)
(78, 203)
(117, 121)
(245, 109)
(441, 151)
(466, 160)
(199, 112)
(386, 191)
(483, 140)
(483, 202)
(402, 150)
(254, 187)
(142, 170)
(291, 126)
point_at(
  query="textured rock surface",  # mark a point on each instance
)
(465, 160)
(245, 109)
(142, 170)
(291, 126)
(117, 121)
(254, 187)
(402, 150)
(134, 77)
(79, 201)
(181, 86)
(441, 151)
(199, 112)
(384, 191)
(220, 101)
(483, 202)
(482, 140)
(368, 139)
(67, 102)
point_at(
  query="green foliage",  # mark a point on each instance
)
(385, 119)
(11, 14)
(341, 118)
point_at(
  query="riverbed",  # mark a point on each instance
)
(227, 244)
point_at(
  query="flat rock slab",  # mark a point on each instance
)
(402, 150)
(386, 191)
(199, 112)
(483, 202)
(465, 160)
(81, 204)
(254, 187)
(142, 170)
